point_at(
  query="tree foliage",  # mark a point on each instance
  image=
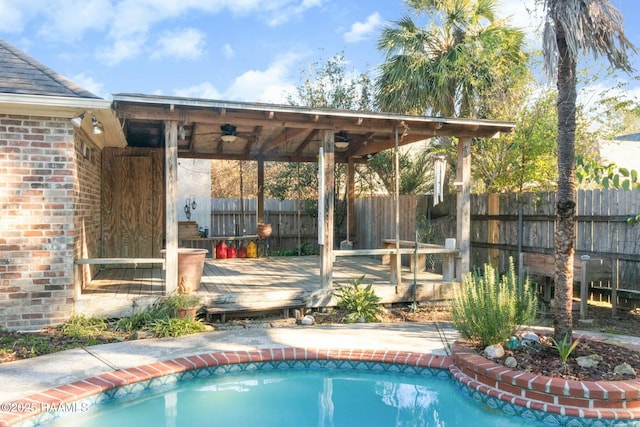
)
(416, 170)
(331, 85)
(457, 65)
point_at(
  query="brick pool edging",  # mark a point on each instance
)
(64, 396)
(602, 400)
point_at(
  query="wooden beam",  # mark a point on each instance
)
(463, 206)
(257, 131)
(494, 229)
(351, 204)
(281, 139)
(305, 142)
(326, 249)
(397, 280)
(260, 190)
(417, 132)
(171, 205)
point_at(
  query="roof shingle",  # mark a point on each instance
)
(22, 74)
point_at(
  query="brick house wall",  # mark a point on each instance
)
(39, 193)
(87, 209)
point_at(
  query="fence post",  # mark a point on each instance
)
(494, 229)
(614, 287)
(584, 287)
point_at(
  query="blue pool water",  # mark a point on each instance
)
(281, 398)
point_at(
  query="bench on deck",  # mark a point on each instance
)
(418, 258)
(234, 310)
(111, 261)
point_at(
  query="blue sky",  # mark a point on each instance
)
(249, 50)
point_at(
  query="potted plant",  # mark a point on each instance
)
(181, 305)
(263, 230)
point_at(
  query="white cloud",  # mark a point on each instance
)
(526, 16)
(204, 90)
(125, 25)
(90, 84)
(121, 50)
(185, 43)
(13, 16)
(283, 11)
(271, 85)
(360, 30)
(227, 51)
(69, 20)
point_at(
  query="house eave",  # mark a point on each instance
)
(67, 108)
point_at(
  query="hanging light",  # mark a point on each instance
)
(97, 126)
(341, 139)
(77, 121)
(228, 132)
(181, 132)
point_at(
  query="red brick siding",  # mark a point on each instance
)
(87, 205)
(37, 232)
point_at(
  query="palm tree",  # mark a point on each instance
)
(446, 67)
(573, 26)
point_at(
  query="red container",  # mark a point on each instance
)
(221, 250)
(231, 252)
(242, 252)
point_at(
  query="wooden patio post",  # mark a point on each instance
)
(326, 249)
(397, 278)
(260, 190)
(351, 174)
(494, 229)
(463, 205)
(171, 208)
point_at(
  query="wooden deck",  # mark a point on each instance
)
(256, 283)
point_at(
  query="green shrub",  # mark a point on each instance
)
(360, 303)
(139, 320)
(174, 327)
(489, 308)
(159, 315)
(172, 304)
(81, 326)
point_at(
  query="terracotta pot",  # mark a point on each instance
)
(188, 312)
(263, 230)
(190, 266)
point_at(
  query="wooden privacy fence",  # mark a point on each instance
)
(602, 231)
(292, 223)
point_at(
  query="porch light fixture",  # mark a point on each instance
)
(341, 139)
(181, 132)
(228, 133)
(77, 121)
(97, 126)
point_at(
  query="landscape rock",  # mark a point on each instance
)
(510, 362)
(624, 369)
(307, 320)
(590, 361)
(531, 336)
(495, 351)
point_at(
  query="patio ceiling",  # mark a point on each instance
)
(278, 132)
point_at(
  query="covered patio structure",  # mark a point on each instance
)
(173, 127)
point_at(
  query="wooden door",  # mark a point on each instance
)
(127, 208)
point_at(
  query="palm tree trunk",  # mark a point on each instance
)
(565, 204)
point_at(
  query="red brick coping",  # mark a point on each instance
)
(611, 400)
(16, 411)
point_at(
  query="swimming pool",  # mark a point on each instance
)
(296, 393)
